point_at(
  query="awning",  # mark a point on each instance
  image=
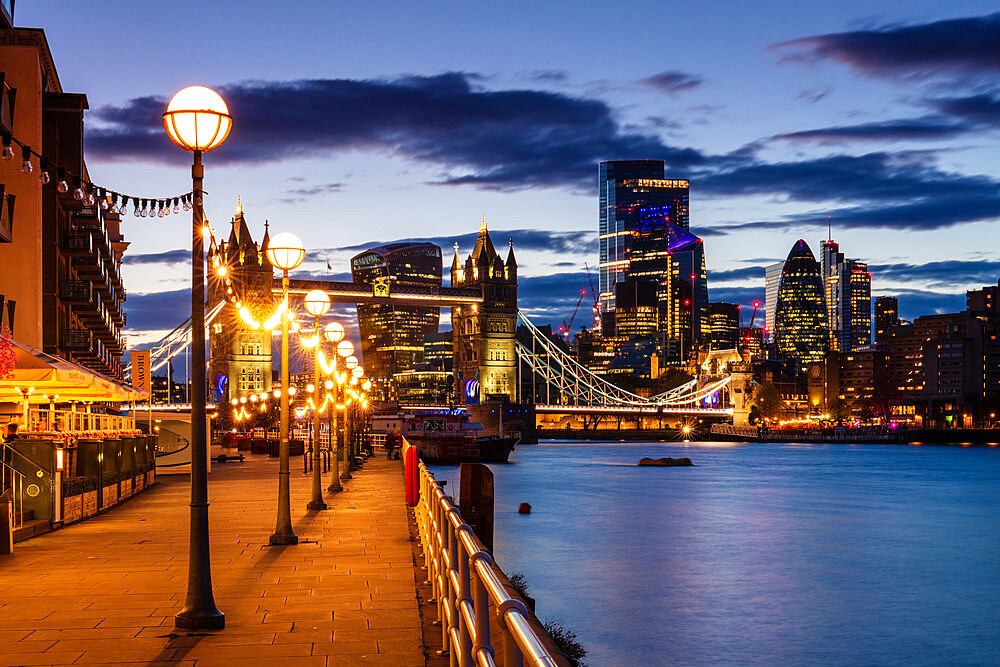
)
(47, 376)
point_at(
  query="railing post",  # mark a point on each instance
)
(442, 578)
(511, 651)
(465, 637)
(453, 609)
(481, 605)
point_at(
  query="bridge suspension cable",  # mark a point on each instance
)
(578, 384)
(175, 342)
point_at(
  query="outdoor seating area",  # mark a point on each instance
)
(67, 452)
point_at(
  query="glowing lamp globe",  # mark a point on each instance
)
(358, 372)
(317, 303)
(345, 348)
(285, 251)
(351, 362)
(197, 119)
(334, 332)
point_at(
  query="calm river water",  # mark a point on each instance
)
(776, 553)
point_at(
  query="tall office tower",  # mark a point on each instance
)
(847, 286)
(239, 355)
(636, 311)
(772, 279)
(801, 330)
(684, 306)
(483, 337)
(886, 316)
(392, 336)
(664, 252)
(624, 185)
(724, 320)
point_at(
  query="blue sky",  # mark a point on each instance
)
(370, 122)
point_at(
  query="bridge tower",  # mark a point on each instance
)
(483, 336)
(239, 356)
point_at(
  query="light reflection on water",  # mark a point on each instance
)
(790, 553)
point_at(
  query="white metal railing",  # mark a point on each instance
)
(12, 480)
(464, 583)
(75, 421)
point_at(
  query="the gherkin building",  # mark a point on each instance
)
(801, 330)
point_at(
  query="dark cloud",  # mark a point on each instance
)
(673, 81)
(298, 195)
(902, 190)
(925, 128)
(983, 108)
(179, 256)
(913, 302)
(812, 96)
(964, 45)
(741, 275)
(158, 310)
(505, 140)
(973, 274)
(576, 242)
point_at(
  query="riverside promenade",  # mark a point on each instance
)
(106, 590)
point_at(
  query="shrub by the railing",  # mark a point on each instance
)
(126, 474)
(74, 486)
(567, 642)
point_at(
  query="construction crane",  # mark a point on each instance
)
(597, 304)
(567, 329)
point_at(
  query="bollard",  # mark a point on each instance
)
(6, 523)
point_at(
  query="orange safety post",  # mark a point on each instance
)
(411, 465)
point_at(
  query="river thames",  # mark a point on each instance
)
(777, 553)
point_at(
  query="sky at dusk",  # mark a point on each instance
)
(362, 123)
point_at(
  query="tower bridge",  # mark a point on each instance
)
(489, 361)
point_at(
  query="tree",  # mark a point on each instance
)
(767, 400)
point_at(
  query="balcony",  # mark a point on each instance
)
(76, 340)
(76, 292)
(88, 265)
(76, 243)
(86, 216)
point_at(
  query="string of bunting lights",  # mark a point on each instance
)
(87, 191)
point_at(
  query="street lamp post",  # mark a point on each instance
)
(334, 332)
(285, 252)
(350, 363)
(197, 119)
(317, 304)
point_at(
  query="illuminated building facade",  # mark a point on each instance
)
(847, 286)
(623, 187)
(684, 313)
(772, 280)
(61, 286)
(423, 387)
(886, 316)
(438, 352)
(752, 341)
(801, 330)
(636, 310)
(724, 324)
(483, 335)
(239, 355)
(392, 336)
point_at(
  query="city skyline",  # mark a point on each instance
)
(805, 115)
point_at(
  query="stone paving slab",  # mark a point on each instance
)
(105, 591)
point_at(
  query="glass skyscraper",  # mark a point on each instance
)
(847, 286)
(624, 186)
(801, 329)
(392, 336)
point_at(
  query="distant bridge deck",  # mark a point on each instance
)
(429, 295)
(543, 408)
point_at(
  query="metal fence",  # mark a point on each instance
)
(465, 585)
